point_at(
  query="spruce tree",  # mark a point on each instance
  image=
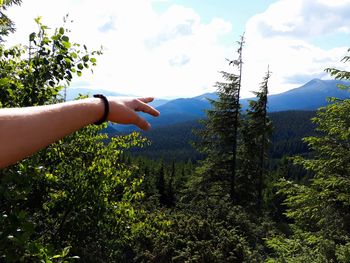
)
(161, 184)
(256, 132)
(219, 135)
(171, 192)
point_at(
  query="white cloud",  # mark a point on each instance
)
(303, 18)
(333, 3)
(282, 38)
(167, 55)
(176, 54)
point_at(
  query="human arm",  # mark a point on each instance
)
(24, 131)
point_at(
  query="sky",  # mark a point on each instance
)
(177, 48)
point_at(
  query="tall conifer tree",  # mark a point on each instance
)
(171, 192)
(220, 133)
(161, 184)
(256, 131)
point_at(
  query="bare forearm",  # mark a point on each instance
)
(27, 130)
(23, 131)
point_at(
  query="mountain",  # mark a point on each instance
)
(174, 111)
(73, 93)
(206, 96)
(158, 102)
(181, 110)
(310, 96)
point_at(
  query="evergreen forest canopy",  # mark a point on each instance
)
(83, 199)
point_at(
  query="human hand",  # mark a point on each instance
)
(123, 111)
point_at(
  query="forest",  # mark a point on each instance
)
(175, 142)
(249, 194)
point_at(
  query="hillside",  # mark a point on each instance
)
(175, 141)
(310, 96)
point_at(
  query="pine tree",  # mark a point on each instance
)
(220, 133)
(256, 132)
(161, 184)
(171, 193)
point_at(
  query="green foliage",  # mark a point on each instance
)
(7, 26)
(86, 199)
(320, 208)
(219, 135)
(30, 76)
(209, 232)
(75, 194)
(340, 74)
(172, 142)
(161, 184)
(253, 153)
(75, 199)
(34, 75)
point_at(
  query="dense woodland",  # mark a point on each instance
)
(255, 191)
(175, 142)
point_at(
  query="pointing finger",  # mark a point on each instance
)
(147, 99)
(147, 109)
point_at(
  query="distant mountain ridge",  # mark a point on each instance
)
(73, 93)
(310, 96)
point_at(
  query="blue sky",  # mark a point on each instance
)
(175, 48)
(237, 12)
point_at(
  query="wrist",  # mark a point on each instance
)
(105, 104)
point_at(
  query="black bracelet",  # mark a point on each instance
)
(106, 103)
